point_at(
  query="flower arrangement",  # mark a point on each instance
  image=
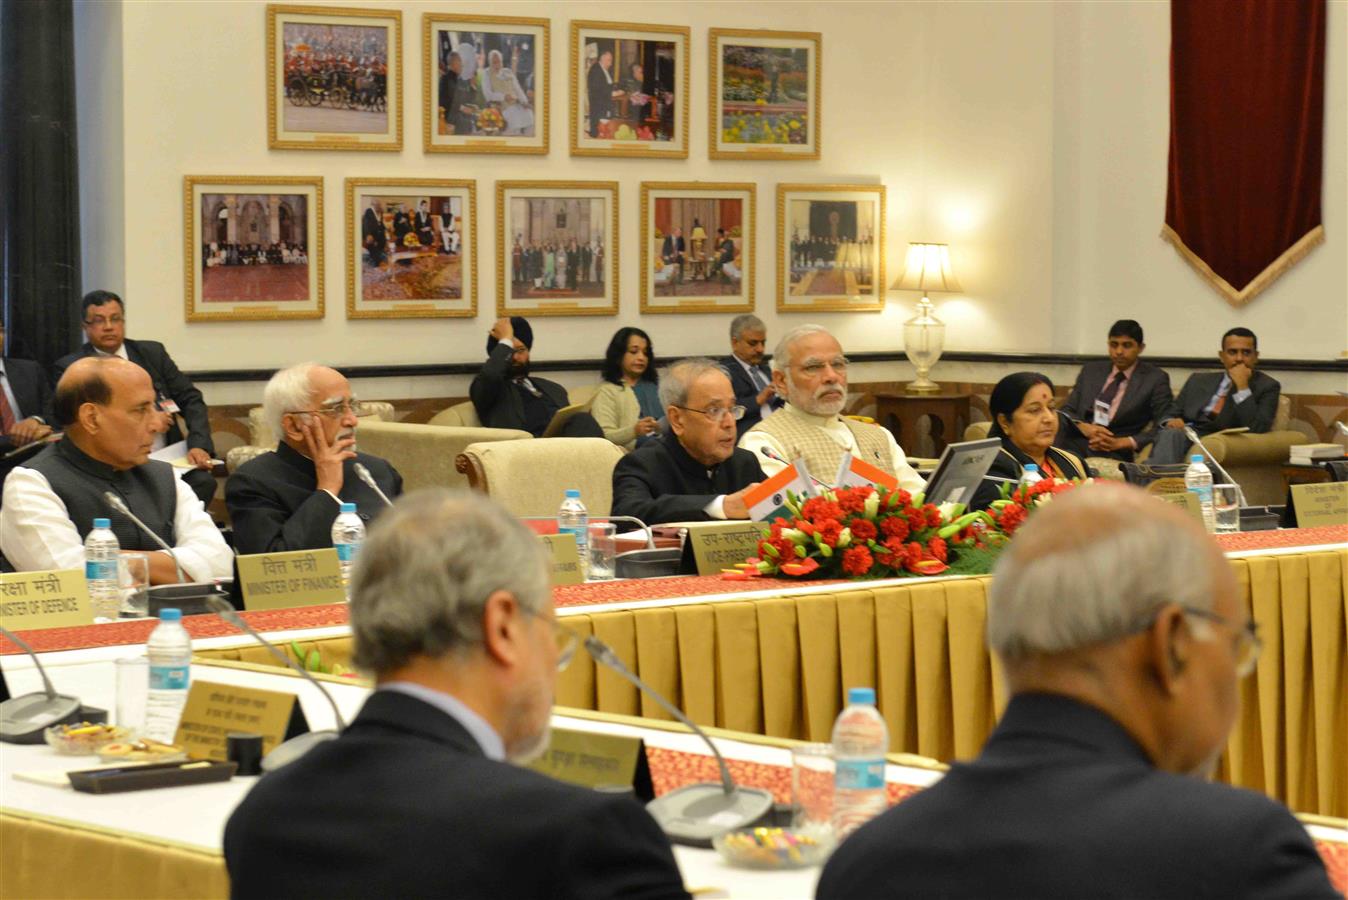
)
(490, 120)
(875, 532)
(1018, 501)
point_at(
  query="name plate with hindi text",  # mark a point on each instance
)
(1320, 504)
(721, 545)
(296, 578)
(596, 760)
(1186, 500)
(563, 558)
(31, 600)
(214, 711)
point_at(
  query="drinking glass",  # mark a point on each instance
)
(812, 789)
(1226, 508)
(133, 580)
(603, 548)
(133, 685)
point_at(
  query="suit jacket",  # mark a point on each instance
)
(32, 393)
(405, 804)
(1011, 462)
(275, 504)
(659, 481)
(746, 392)
(1147, 402)
(672, 247)
(1062, 802)
(599, 91)
(1256, 413)
(168, 382)
(496, 398)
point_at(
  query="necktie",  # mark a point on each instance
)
(1111, 389)
(1215, 405)
(6, 411)
(757, 376)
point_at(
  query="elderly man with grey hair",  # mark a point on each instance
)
(809, 369)
(693, 472)
(425, 795)
(1123, 637)
(288, 500)
(749, 375)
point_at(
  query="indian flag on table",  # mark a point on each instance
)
(768, 501)
(855, 472)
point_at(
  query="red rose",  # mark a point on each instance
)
(1011, 518)
(895, 527)
(829, 532)
(863, 529)
(856, 561)
(931, 514)
(937, 548)
(817, 510)
(851, 501)
(912, 555)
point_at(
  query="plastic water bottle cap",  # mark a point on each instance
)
(1197, 457)
(1031, 467)
(169, 614)
(102, 523)
(861, 696)
(573, 492)
(348, 507)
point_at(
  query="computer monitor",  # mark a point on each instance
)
(960, 471)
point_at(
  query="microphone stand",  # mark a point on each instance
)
(119, 504)
(24, 718)
(291, 750)
(364, 475)
(698, 812)
(1193, 436)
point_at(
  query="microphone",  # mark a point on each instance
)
(119, 504)
(767, 451)
(291, 750)
(24, 718)
(364, 475)
(696, 813)
(1226, 476)
(185, 595)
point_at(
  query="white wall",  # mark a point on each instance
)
(1031, 136)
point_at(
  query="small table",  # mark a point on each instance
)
(899, 413)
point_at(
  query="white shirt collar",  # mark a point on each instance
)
(121, 351)
(487, 738)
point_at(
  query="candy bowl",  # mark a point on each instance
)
(83, 738)
(143, 750)
(773, 848)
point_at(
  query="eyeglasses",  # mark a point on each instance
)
(717, 413)
(1248, 643)
(335, 410)
(815, 367)
(99, 321)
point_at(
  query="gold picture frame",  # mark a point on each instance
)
(830, 247)
(534, 218)
(343, 94)
(388, 277)
(707, 214)
(530, 39)
(640, 113)
(754, 107)
(250, 265)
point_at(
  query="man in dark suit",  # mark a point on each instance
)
(1117, 404)
(25, 401)
(288, 500)
(373, 236)
(749, 374)
(600, 90)
(422, 796)
(506, 396)
(671, 253)
(1237, 397)
(1124, 688)
(694, 472)
(105, 330)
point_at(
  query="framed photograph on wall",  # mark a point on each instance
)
(830, 247)
(411, 248)
(486, 84)
(764, 94)
(253, 247)
(629, 90)
(697, 247)
(556, 248)
(334, 78)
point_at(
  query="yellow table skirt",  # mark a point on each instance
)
(779, 666)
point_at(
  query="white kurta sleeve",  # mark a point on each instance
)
(201, 550)
(756, 442)
(35, 529)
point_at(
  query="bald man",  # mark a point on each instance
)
(1125, 685)
(107, 407)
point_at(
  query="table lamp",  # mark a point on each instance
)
(928, 270)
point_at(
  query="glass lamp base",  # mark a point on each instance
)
(924, 339)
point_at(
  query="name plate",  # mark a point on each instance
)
(721, 545)
(297, 578)
(31, 600)
(1186, 500)
(214, 711)
(1320, 504)
(597, 760)
(563, 558)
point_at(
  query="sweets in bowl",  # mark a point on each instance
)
(773, 848)
(83, 738)
(143, 750)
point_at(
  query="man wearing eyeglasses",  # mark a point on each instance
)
(1123, 637)
(105, 333)
(288, 500)
(693, 472)
(810, 371)
(108, 410)
(426, 793)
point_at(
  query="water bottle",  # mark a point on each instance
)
(574, 519)
(1198, 480)
(1029, 476)
(348, 533)
(860, 742)
(170, 654)
(101, 552)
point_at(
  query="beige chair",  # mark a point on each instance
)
(425, 455)
(529, 477)
(261, 440)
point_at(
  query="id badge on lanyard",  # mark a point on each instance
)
(1101, 412)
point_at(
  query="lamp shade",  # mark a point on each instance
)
(928, 270)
